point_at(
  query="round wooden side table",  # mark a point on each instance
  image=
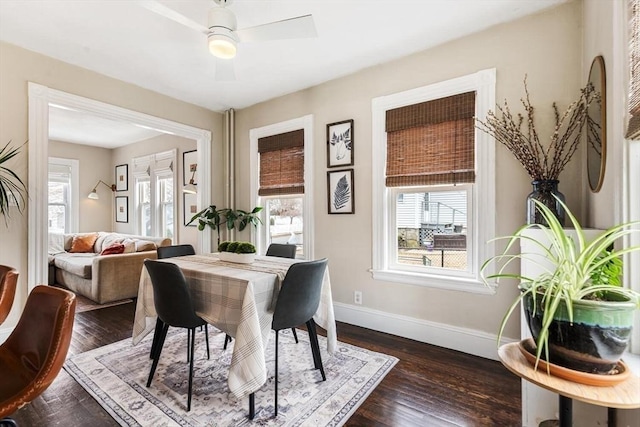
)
(624, 395)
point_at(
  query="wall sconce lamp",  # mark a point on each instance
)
(94, 193)
(191, 188)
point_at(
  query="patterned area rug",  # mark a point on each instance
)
(116, 375)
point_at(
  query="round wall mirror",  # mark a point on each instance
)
(597, 126)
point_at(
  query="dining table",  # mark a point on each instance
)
(239, 299)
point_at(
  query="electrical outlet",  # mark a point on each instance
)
(357, 297)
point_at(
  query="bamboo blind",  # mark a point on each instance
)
(432, 142)
(282, 163)
(633, 128)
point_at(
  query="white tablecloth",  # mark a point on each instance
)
(239, 299)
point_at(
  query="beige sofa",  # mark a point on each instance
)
(102, 278)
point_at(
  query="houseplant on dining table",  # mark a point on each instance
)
(579, 314)
(226, 217)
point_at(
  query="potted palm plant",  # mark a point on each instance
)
(225, 217)
(12, 189)
(578, 313)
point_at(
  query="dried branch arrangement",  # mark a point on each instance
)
(541, 161)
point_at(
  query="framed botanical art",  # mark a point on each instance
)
(189, 167)
(122, 209)
(122, 177)
(340, 144)
(189, 208)
(340, 192)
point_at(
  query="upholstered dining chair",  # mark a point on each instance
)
(32, 356)
(8, 283)
(170, 252)
(298, 301)
(175, 308)
(283, 250)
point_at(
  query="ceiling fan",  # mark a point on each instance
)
(222, 32)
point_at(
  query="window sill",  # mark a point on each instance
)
(433, 281)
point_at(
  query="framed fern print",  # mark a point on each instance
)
(340, 191)
(340, 144)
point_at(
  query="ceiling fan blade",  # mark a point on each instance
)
(225, 70)
(171, 14)
(292, 28)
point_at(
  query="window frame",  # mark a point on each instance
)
(481, 219)
(73, 208)
(259, 235)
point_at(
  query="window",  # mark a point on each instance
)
(281, 166)
(155, 188)
(62, 195)
(433, 191)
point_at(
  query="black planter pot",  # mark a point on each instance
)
(593, 342)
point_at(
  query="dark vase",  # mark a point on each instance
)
(544, 191)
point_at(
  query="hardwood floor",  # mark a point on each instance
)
(430, 386)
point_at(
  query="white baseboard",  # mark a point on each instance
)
(470, 341)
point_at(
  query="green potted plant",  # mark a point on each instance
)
(12, 189)
(225, 217)
(578, 313)
(240, 252)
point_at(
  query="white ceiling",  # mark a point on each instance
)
(122, 39)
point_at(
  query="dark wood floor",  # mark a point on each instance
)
(430, 386)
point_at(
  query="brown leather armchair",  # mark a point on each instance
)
(32, 356)
(8, 282)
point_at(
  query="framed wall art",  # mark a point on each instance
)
(189, 208)
(340, 144)
(122, 209)
(122, 177)
(189, 167)
(340, 192)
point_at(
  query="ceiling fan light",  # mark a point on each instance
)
(221, 44)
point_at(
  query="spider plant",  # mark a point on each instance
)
(12, 189)
(574, 270)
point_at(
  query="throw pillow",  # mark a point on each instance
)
(116, 248)
(145, 245)
(129, 246)
(83, 243)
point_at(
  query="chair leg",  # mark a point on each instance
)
(315, 347)
(156, 335)
(154, 365)
(227, 339)
(188, 346)
(252, 406)
(275, 381)
(295, 335)
(191, 332)
(206, 337)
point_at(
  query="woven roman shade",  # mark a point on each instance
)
(432, 142)
(633, 128)
(282, 163)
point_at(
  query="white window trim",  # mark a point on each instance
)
(305, 123)
(74, 164)
(483, 198)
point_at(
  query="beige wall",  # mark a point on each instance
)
(94, 163)
(154, 145)
(546, 47)
(18, 67)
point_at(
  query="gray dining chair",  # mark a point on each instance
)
(175, 308)
(283, 250)
(297, 302)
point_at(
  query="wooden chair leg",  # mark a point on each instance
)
(227, 339)
(156, 335)
(275, 381)
(295, 335)
(206, 337)
(252, 406)
(315, 347)
(191, 332)
(154, 365)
